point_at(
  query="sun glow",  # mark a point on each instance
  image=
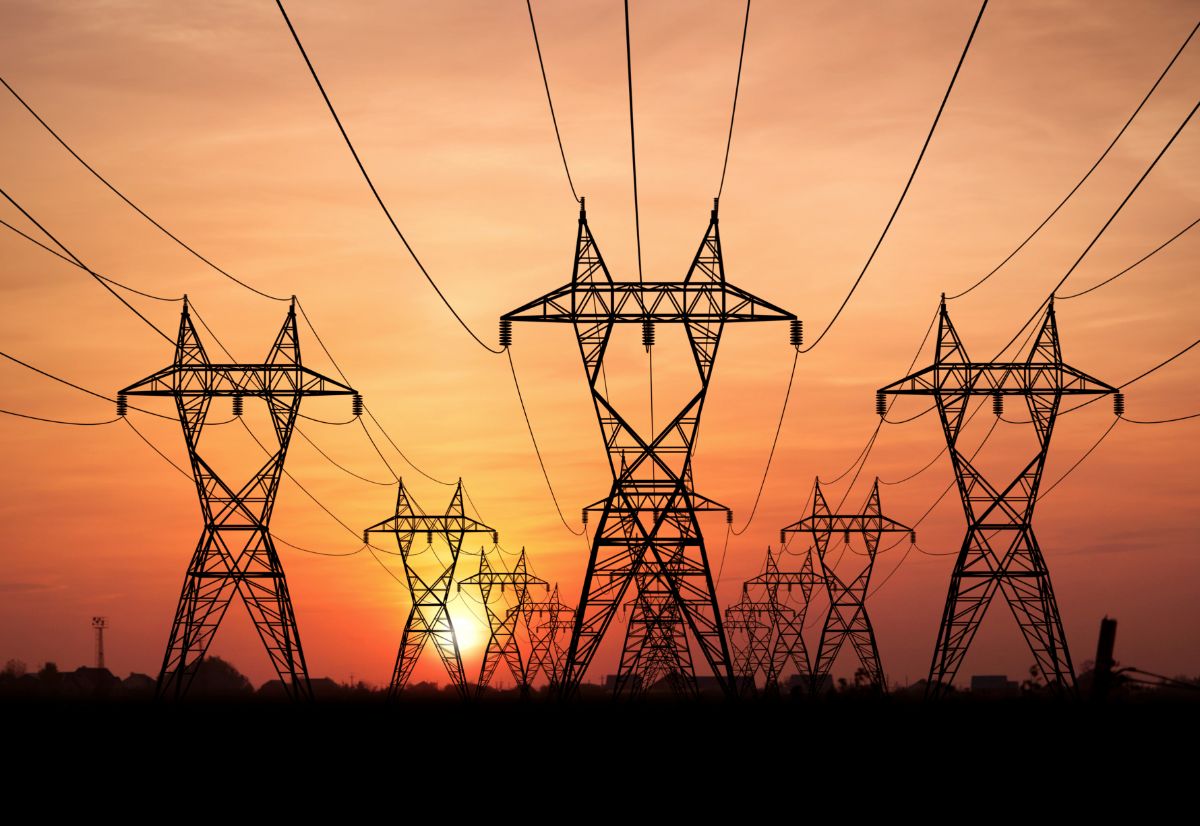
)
(470, 632)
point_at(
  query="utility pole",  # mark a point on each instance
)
(847, 619)
(1000, 551)
(429, 579)
(648, 535)
(236, 553)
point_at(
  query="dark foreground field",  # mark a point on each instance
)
(875, 735)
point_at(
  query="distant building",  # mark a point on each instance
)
(801, 683)
(323, 689)
(994, 685)
(138, 685)
(610, 682)
(86, 683)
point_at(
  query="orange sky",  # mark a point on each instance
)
(205, 115)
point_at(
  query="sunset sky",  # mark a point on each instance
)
(205, 115)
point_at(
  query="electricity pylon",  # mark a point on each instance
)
(656, 645)
(546, 654)
(236, 553)
(502, 624)
(787, 623)
(429, 617)
(1012, 564)
(754, 655)
(847, 619)
(648, 532)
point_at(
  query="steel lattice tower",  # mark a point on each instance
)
(546, 654)
(787, 622)
(1000, 550)
(755, 655)
(847, 619)
(236, 553)
(503, 625)
(656, 644)
(648, 532)
(429, 617)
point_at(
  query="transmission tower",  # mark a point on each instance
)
(546, 654)
(503, 624)
(99, 623)
(754, 655)
(648, 534)
(236, 553)
(847, 619)
(656, 645)
(787, 623)
(1000, 550)
(429, 582)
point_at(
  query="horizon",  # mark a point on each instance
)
(207, 119)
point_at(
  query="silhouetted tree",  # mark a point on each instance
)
(14, 669)
(50, 677)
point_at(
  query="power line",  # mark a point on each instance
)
(1079, 462)
(112, 281)
(154, 447)
(928, 511)
(1137, 378)
(303, 489)
(1158, 366)
(283, 541)
(195, 253)
(774, 443)
(123, 197)
(1125, 200)
(378, 198)
(388, 483)
(549, 100)
(1100, 233)
(866, 451)
(736, 88)
(1161, 421)
(541, 463)
(312, 327)
(81, 389)
(1150, 254)
(57, 421)
(637, 223)
(904, 192)
(102, 282)
(1086, 175)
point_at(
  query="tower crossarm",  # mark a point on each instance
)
(788, 578)
(847, 523)
(237, 380)
(632, 302)
(420, 523)
(503, 578)
(644, 493)
(1016, 378)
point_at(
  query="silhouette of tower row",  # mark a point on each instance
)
(503, 623)
(429, 578)
(999, 551)
(236, 554)
(847, 619)
(546, 620)
(648, 536)
(757, 623)
(787, 621)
